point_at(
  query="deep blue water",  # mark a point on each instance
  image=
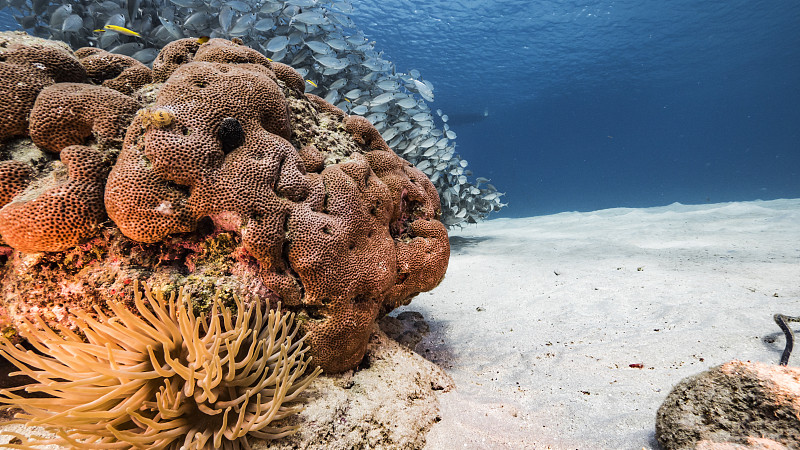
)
(599, 104)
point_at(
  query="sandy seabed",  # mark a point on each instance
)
(543, 322)
(568, 331)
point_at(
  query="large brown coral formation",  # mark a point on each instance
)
(28, 65)
(60, 212)
(70, 113)
(164, 377)
(119, 72)
(327, 218)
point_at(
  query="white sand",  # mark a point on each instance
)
(541, 360)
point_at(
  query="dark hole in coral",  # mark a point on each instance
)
(401, 278)
(314, 312)
(327, 229)
(325, 301)
(200, 83)
(231, 134)
(371, 232)
(351, 245)
(179, 187)
(360, 298)
(205, 226)
(185, 131)
(364, 364)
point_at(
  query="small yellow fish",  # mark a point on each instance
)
(269, 60)
(348, 100)
(203, 39)
(312, 83)
(122, 30)
(100, 31)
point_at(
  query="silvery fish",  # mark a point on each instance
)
(381, 99)
(310, 18)
(279, 55)
(243, 25)
(270, 7)
(188, 3)
(408, 102)
(197, 20)
(353, 94)
(72, 23)
(376, 117)
(277, 43)
(146, 56)
(171, 27)
(239, 6)
(346, 60)
(332, 97)
(264, 24)
(59, 15)
(331, 62)
(338, 44)
(302, 3)
(226, 17)
(340, 83)
(318, 47)
(127, 49)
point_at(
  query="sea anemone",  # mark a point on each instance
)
(162, 378)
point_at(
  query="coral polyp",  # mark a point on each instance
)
(159, 376)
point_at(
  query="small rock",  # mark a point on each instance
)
(733, 406)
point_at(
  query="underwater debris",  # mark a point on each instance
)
(781, 320)
(162, 377)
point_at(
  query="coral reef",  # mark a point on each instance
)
(71, 113)
(735, 405)
(323, 44)
(163, 377)
(62, 211)
(230, 178)
(119, 72)
(28, 65)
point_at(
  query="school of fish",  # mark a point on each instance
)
(318, 39)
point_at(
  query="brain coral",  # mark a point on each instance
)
(28, 65)
(69, 113)
(61, 212)
(119, 72)
(341, 246)
(231, 173)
